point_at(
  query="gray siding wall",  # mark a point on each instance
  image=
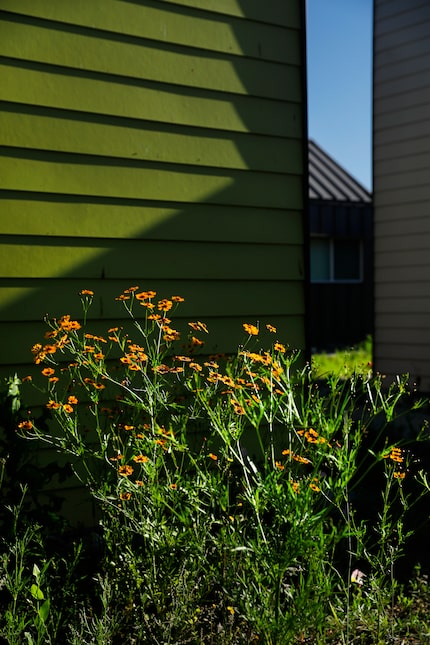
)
(401, 149)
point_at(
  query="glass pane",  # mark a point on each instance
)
(347, 260)
(320, 259)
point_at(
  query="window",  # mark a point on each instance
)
(336, 260)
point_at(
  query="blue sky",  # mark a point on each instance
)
(339, 52)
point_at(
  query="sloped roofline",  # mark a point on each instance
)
(329, 181)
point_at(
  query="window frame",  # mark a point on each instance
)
(331, 246)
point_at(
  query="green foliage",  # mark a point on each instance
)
(229, 491)
(345, 363)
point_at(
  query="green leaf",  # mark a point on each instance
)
(36, 592)
(44, 610)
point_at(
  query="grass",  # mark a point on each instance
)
(344, 363)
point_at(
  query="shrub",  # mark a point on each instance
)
(225, 486)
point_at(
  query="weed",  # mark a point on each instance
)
(229, 489)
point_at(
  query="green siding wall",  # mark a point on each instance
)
(151, 142)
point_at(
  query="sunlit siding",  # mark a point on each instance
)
(151, 143)
(402, 188)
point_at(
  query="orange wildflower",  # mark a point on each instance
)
(25, 425)
(197, 341)
(279, 347)
(170, 334)
(161, 369)
(124, 497)
(67, 408)
(62, 342)
(271, 328)
(213, 457)
(48, 371)
(53, 405)
(198, 326)
(86, 292)
(125, 471)
(164, 305)
(140, 459)
(295, 486)
(145, 295)
(395, 455)
(237, 407)
(72, 400)
(252, 330)
(50, 349)
(177, 299)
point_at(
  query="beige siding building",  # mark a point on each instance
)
(402, 188)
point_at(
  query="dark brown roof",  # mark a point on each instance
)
(329, 181)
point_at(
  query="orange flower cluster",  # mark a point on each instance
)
(312, 436)
(95, 384)
(68, 325)
(135, 358)
(170, 334)
(145, 295)
(67, 407)
(64, 324)
(40, 352)
(99, 338)
(395, 454)
(164, 305)
(298, 458)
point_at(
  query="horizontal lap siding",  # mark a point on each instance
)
(401, 189)
(152, 143)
